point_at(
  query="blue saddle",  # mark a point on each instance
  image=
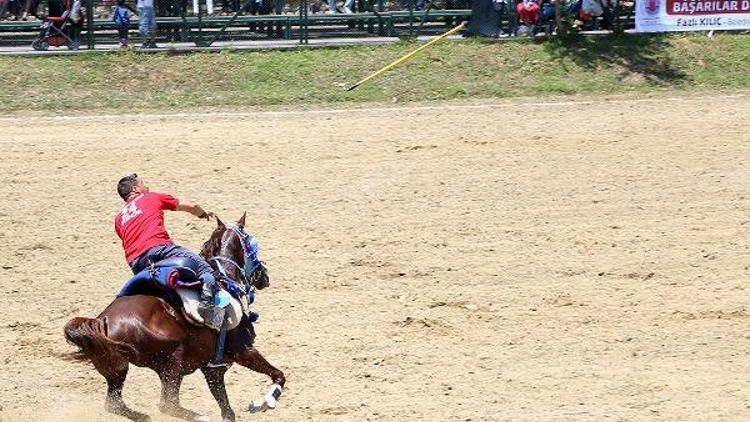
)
(167, 274)
(163, 277)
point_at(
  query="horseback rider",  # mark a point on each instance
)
(140, 226)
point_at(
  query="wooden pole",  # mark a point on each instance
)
(407, 56)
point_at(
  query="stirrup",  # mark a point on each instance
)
(213, 317)
(217, 365)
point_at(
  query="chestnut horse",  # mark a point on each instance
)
(149, 331)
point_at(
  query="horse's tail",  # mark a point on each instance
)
(90, 335)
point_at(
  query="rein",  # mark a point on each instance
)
(248, 275)
(219, 259)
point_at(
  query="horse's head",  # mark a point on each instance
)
(235, 252)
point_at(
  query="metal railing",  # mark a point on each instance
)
(275, 19)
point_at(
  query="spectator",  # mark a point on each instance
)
(76, 23)
(18, 9)
(314, 6)
(57, 15)
(528, 15)
(547, 16)
(348, 4)
(147, 23)
(500, 6)
(592, 9)
(7, 6)
(418, 4)
(13, 8)
(548, 10)
(528, 11)
(55, 8)
(573, 8)
(121, 18)
(486, 19)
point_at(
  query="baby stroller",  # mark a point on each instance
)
(60, 30)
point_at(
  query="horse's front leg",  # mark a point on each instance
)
(252, 359)
(215, 380)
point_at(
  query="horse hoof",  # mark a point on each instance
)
(254, 408)
(201, 418)
(269, 401)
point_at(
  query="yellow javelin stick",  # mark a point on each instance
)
(404, 58)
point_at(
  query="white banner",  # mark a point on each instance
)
(691, 15)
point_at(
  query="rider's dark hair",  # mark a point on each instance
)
(125, 185)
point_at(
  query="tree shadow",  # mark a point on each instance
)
(649, 56)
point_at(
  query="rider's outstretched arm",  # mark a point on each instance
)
(194, 209)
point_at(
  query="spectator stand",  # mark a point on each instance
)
(424, 13)
(277, 19)
(15, 9)
(616, 15)
(255, 14)
(588, 15)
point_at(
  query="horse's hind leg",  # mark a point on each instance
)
(115, 374)
(170, 398)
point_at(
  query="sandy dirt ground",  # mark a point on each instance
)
(573, 261)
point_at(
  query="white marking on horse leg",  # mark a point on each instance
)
(272, 397)
(269, 401)
(201, 418)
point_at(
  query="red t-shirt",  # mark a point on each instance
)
(140, 223)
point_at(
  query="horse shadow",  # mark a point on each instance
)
(650, 56)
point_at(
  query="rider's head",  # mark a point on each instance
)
(130, 185)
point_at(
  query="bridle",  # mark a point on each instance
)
(250, 257)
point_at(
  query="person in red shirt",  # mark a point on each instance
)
(140, 226)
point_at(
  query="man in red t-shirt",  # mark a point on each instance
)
(140, 226)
